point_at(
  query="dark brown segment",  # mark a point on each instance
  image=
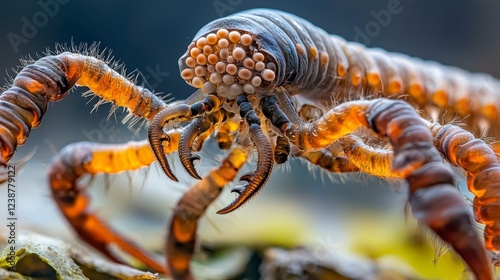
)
(183, 226)
(72, 163)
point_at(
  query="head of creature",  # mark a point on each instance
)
(227, 60)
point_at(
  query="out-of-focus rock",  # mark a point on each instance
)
(304, 263)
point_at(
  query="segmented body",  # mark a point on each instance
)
(322, 70)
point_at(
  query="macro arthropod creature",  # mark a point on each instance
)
(292, 89)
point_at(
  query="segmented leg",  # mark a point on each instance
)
(79, 159)
(50, 79)
(256, 179)
(181, 238)
(191, 132)
(328, 160)
(481, 164)
(433, 198)
(178, 112)
(370, 160)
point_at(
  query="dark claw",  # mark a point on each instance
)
(192, 131)
(194, 157)
(257, 179)
(156, 135)
(239, 189)
(247, 177)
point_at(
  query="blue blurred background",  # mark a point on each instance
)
(151, 36)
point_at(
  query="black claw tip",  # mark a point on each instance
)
(247, 177)
(192, 158)
(239, 189)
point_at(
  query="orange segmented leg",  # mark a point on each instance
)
(480, 163)
(50, 79)
(182, 230)
(79, 159)
(370, 160)
(433, 198)
(328, 160)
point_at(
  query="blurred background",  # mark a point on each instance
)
(298, 207)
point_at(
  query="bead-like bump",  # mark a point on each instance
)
(248, 88)
(187, 74)
(228, 79)
(194, 52)
(208, 87)
(230, 59)
(246, 40)
(210, 68)
(256, 81)
(200, 71)
(373, 78)
(224, 53)
(216, 78)
(239, 53)
(234, 36)
(490, 111)
(244, 74)
(191, 62)
(201, 59)
(324, 58)
(258, 56)
(222, 90)
(213, 59)
(395, 86)
(212, 39)
(222, 33)
(201, 42)
(231, 69)
(341, 70)
(440, 97)
(198, 82)
(223, 43)
(235, 90)
(313, 51)
(355, 77)
(220, 67)
(300, 49)
(207, 50)
(268, 75)
(259, 66)
(415, 90)
(248, 63)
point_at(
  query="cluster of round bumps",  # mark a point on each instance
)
(227, 63)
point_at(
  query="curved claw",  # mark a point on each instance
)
(156, 135)
(258, 178)
(18, 164)
(238, 189)
(192, 131)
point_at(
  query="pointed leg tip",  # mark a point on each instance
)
(173, 178)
